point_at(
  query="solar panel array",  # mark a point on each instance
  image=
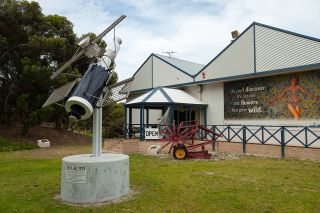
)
(60, 93)
(115, 92)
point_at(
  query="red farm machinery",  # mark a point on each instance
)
(182, 139)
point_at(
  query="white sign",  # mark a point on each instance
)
(151, 133)
(76, 174)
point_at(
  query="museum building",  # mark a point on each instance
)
(266, 76)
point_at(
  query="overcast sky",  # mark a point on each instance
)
(197, 29)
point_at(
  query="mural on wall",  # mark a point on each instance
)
(291, 96)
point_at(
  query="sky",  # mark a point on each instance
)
(196, 29)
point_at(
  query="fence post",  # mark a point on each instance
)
(306, 136)
(244, 140)
(214, 138)
(283, 144)
(262, 135)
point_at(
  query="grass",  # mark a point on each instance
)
(7, 145)
(248, 184)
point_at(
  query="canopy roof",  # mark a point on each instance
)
(162, 96)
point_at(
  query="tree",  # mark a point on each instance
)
(32, 46)
(113, 120)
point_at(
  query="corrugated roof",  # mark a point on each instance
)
(267, 48)
(189, 67)
(162, 95)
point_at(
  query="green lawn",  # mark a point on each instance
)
(248, 184)
(7, 145)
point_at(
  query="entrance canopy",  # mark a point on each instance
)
(161, 96)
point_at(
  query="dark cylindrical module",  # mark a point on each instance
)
(87, 93)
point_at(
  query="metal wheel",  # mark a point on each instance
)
(180, 152)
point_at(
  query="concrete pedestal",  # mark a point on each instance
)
(86, 179)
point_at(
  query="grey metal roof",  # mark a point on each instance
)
(262, 48)
(189, 67)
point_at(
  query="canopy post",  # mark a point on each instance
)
(147, 117)
(142, 123)
(125, 129)
(130, 122)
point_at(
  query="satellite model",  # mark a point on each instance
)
(86, 96)
(96, 177)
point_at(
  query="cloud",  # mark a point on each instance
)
(197, 29)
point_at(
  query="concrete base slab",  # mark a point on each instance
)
(86, 179)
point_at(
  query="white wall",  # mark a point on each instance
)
(135, 112)
(213, 95)
(135, 116)
(143, 78)
(165, 74)
(154, 116)
(194, 91)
